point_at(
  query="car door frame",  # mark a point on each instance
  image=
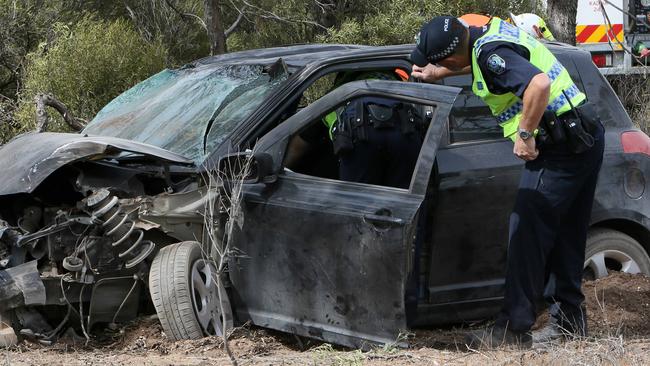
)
(262, 280)
(468, 281)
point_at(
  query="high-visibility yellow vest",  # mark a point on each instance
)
(507, 107)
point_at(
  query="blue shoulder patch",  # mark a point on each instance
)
(496, 64)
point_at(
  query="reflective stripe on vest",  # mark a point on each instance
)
(507, 108)
(554, 105)
(329, 120)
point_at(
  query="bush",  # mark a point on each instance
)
(86, 66)
(633, 91)
(8, 124)
(397, 21)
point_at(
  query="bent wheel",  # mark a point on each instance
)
(186, 294)
(611, 250)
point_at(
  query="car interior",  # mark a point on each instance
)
(311, 151)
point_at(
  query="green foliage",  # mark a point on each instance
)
(179, 29)
(8, 124)
(86, 66)
(393, 22)
(397, 21)
(23, 24)
(278, 23)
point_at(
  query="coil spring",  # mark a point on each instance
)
(127, 239)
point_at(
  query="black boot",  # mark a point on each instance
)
(562, 326)
(550, 333)
(555, 332)
(497, 336)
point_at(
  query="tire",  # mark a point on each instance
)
(610, 250)
(174, 295)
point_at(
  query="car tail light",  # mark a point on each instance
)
(635, 142)
(602, 59)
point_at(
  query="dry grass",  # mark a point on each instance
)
(144, 345)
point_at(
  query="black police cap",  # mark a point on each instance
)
(437, 40)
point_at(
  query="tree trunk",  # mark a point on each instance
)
(214, 23)
(562, 19)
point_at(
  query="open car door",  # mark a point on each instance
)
(325, 258)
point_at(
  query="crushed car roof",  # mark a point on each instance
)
(296, 56)
(300, 55)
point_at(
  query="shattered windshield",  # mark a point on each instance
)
(174, 108)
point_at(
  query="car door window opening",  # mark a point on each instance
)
(382, 139)
(320, 83)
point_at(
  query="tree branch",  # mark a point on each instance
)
(234, 25)
(324, 6)
(266, 14)
(42, 119)
(186, 15)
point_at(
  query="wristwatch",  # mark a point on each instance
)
(524, 134)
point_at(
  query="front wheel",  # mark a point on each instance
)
(610, 250)
(186, 294)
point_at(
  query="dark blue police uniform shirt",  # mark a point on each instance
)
(505, 66)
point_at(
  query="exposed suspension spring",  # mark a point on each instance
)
(127, 239)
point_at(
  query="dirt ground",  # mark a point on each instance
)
(618, 308)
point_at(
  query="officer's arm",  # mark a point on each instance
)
(535, 100)
(507, 70)
(432, 73)
(298, 147)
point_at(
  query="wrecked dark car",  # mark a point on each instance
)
(178, 197)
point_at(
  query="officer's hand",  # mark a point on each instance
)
(525, 150)
(430, 73)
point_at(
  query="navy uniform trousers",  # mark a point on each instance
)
(387, 158)
(548, 232)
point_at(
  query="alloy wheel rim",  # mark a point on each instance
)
(205, 297)
(602, 262)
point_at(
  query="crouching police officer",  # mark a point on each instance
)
(559, 136)
(377, 140)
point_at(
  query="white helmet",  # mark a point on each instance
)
(526, 22)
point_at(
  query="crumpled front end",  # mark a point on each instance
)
(70, 232)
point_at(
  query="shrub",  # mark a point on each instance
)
(85, 66)
(633, 91)
(8, 124)
(397, 21)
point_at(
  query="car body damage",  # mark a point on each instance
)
(21, 286)
(24, 166)
(69, 229)
(83, 223)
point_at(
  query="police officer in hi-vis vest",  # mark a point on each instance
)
(557, 132)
